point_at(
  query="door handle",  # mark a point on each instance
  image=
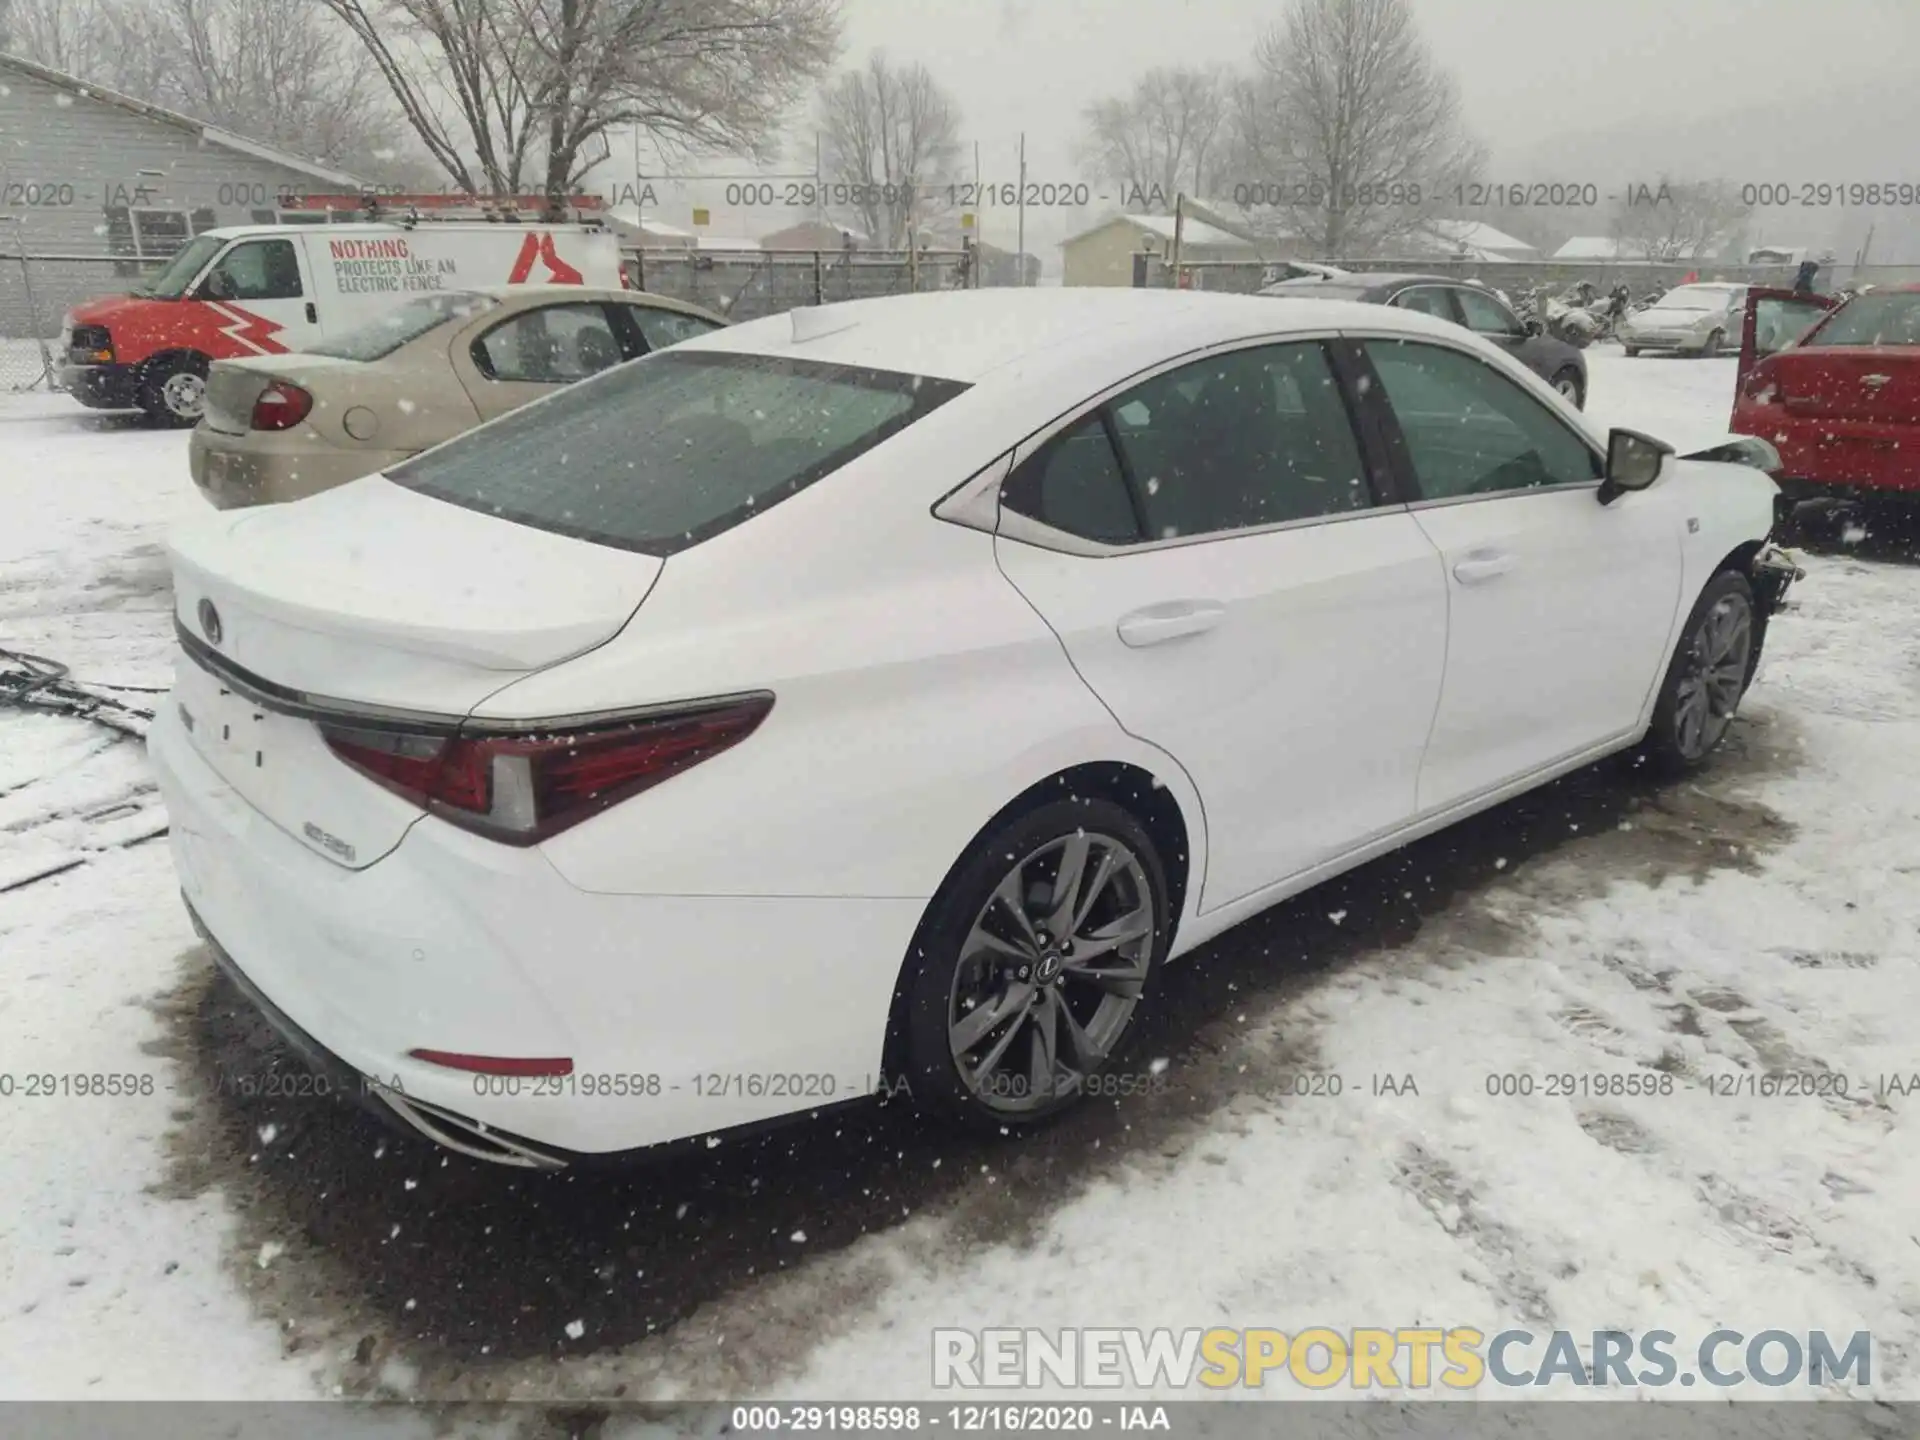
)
(1482, 568)
(1171, 621)
(313, 313)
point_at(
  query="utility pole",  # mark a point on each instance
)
(1020, 246)
(1179, 232)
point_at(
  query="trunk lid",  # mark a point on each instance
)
(1849, 383)
(234, 385)
(369, 597)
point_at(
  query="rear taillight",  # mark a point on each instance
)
(281, 407)
(522, 788)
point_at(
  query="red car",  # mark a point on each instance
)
(1834, 386)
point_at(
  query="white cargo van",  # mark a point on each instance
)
(268, 289)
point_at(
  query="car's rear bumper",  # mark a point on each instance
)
(1835, 457)
(234, 471)
(102, 387)
(682, 1016)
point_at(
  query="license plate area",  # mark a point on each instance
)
(280, 766)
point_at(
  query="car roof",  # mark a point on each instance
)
(1363, 282)
(969, 335)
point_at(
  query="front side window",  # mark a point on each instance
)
(1250, 438)
(256, 270)
(553, 345)
(658, 455)
(1469, 430)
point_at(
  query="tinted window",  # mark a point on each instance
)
(553, 345)
(1428, 300)
(1255, 437)
(1074, 483)
(1486, 315)
(668, 327)
(658, 455)
(404, 324)
(1884, 319)
(256, 270)
(1469, 430)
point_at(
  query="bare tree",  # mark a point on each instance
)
(511, 93)
(890, 138)
(1347, 131)
(1700, 220)
(277, 71)
(1162, 137)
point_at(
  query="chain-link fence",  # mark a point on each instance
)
(1518, 277)
(37, 290)
(749, 284)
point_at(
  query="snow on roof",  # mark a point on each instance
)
(200, 129)
(629, 216)
(1600, 247)
(1477, 237)
(1192, 232)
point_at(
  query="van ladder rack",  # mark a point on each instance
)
(412, 208)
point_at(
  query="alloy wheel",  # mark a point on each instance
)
(185, 394)
(1050, 972)
(1714, 677)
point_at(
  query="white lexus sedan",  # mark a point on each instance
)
(879, 695)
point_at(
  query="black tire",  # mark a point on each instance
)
(939, 979)
(1568, 382)
(1673, 743)
(1632, 351)
(1711, 350)
(167, 392)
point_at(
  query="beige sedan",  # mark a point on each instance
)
(281, 427)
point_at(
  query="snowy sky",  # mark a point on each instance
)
(1577, 90)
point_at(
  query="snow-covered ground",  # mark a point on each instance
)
(183, 1237)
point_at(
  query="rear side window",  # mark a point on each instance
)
(1887, 319)
(1074, 484)
(1241, 440)
(551, 345)
(404, 324)
(668, 327)
(668, 451)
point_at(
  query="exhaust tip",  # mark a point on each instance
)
(468, 1137)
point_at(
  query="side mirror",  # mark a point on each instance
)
(1633, 463)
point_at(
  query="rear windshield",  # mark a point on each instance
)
(403, 324)
(1695, 297)
(1887, 319)
(664, 452)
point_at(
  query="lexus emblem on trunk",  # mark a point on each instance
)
(210, 622)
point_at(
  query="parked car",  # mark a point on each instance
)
(281, 427)
(890, 689)
(1834, 386)
(1691, 320)
(268, 289)
(1466, 303)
